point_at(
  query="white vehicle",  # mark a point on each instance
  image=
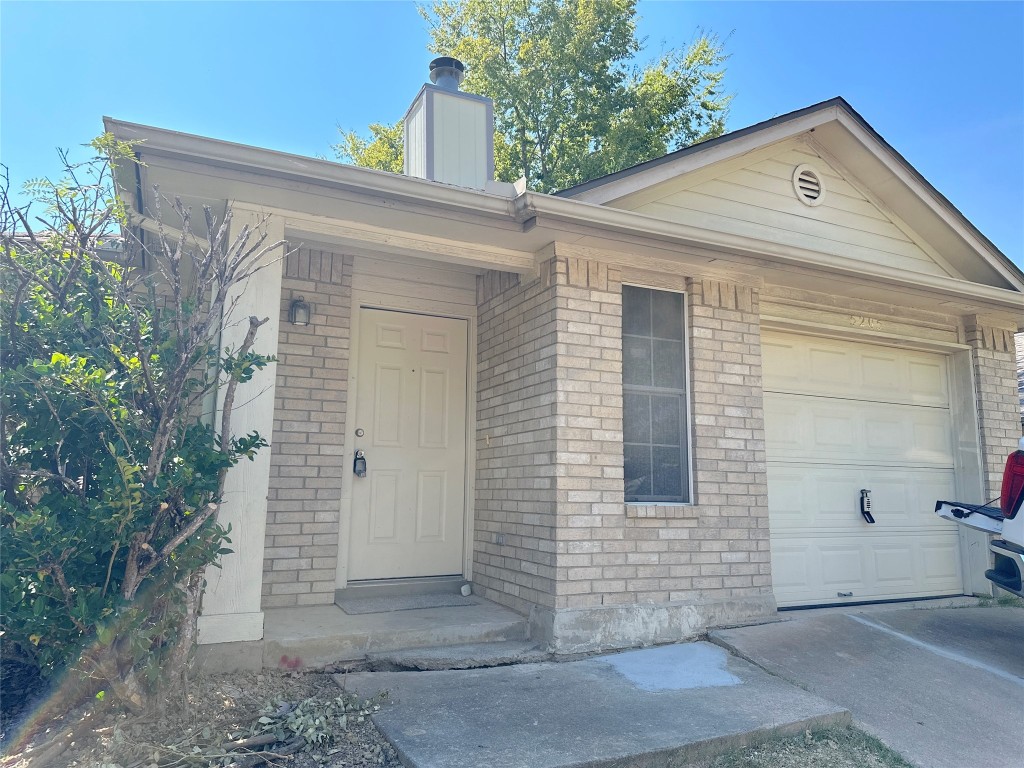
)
(1005, 521)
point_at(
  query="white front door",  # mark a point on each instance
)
(844, 416)
(408, 511)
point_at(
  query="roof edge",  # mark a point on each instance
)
(701, 146)
(245, 157)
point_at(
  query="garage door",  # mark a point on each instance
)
(841, 417)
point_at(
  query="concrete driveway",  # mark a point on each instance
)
(943, 686)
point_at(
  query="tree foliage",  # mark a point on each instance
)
(383, 152)
(110, 474)
(569, 103)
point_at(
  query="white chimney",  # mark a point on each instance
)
(449, 135)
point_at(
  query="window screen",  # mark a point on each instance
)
(654, 396)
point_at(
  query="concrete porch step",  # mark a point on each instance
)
(319, 635)
(470, 656)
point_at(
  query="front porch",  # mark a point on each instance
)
(318, 635)
(532, 495)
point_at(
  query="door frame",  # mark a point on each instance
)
(968, 461)
(362, 299)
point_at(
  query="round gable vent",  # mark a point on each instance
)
(808, 185)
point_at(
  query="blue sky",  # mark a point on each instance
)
(943, 83)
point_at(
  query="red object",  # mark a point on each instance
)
(1012, 495)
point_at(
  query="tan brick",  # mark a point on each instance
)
(305, 470)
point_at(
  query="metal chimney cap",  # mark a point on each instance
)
(447, 72)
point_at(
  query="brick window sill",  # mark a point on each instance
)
(662, 511)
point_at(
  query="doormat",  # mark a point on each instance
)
(354, 606)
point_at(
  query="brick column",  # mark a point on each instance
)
(731, 484)
(995, 378)
(514, 547)
(549, 433)
(306, 465)
(589, 482)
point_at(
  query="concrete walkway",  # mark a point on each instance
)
(654, 707)
(943, 687)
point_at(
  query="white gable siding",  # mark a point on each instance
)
(758, 200)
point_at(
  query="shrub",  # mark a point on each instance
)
(111, 462)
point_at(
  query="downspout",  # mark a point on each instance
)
(139, 205)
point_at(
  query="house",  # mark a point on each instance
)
(653, 403)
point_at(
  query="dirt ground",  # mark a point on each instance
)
(219, 710)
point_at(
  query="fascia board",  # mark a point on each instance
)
(545, 207)
(225, 154)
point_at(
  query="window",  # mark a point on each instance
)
(655, 433)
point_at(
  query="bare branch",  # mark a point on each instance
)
(232, 386)
(62, 480)
(197, 521)
(136, 328)
(12, 322)
(29, 275)
(57, 571)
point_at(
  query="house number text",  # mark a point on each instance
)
(865, 322)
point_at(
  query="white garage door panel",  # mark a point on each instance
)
(841, 416)
(821, 429)
(811, 366)
(813, 570)
(806, 499)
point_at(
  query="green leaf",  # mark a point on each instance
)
(571, 100)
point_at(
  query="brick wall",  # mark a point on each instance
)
(732, 555)
(515, 442)
(595, 562)
(995, 373)
(301, 554)
(550, 404)
(716, 548)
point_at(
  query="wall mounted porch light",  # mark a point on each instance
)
(299, 312)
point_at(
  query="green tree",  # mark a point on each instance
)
(110, 474)
(383, 152)
(569, 103)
